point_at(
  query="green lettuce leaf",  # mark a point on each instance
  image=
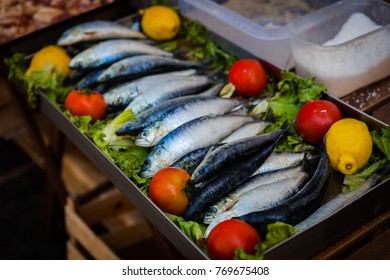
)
(46, 80)
(382, 140)
(115, 141)
(293, 92)
(193, 230)
(378, 159)
(352, 181)
(276, 233)
(128, 158)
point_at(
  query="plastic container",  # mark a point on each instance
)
(269, 44)
(348, 66)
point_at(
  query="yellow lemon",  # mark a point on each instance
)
(160, 22)
(53, 55)
(349, 145)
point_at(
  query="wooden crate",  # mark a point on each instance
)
(105, 239)
(101, 222)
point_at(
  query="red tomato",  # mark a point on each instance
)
(315, 118)
(86, 102)
(167, 190)
(229, 235)
(248, 76)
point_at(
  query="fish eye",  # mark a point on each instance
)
(201, 171)
(147, 164)
(144, 133)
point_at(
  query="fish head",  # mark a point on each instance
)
(113, 99)
(198, 173)
(70, 36)
(76, 62)
(152, 164)
(146, 138)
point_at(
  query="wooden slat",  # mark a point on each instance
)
(72, 252)
(109, 204)
(87, 238)
(353, 241)
(79, 174)
(125, 230)
(11, 124)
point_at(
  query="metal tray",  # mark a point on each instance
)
(301, 246)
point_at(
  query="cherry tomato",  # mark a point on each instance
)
(315, 118)
(229, 235)
(86, 102)
(248, 76)
(167, 190)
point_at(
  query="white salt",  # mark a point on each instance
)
(357, 25)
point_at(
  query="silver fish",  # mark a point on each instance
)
(263, 197)
(227, 201)
(191, 160)
(153, 133)
(89, 80)
(247, 130)
(141, 65)
(124, 93)
(150, 115)
(165, 91)
(108, 52)
(280, 160)
(200, 132)
(231, 153)
(97, 30)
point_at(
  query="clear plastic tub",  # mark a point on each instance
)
(348, 66)
(255, 31)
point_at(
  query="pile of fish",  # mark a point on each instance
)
(181, 118)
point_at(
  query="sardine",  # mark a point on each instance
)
(108, 52)
(247, 130)
(200, 132)
(280, 160)
(228, 179)
(142, 65)
(192, 159)
(230, 153)
(260, 198)
(90, 80)
(153, 133)
(298, 207)
(97, 30)
(122, 94)
(165, 91)
(341, 200)
(150, 115)
(255, 181)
